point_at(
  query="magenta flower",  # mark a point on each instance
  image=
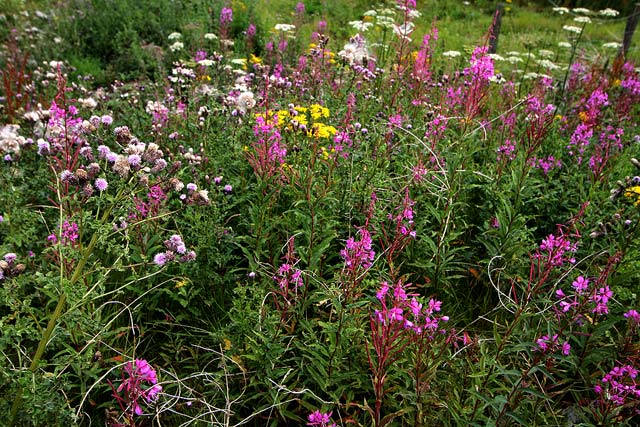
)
(358, 253)
(619, 386)
(70, 232)
(226, 16)
(633, 317)
(251, 31)
(320, 419)
(580, 284)
(132, 391)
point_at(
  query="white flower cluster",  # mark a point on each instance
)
(612, 45)
(451, 54)
(205, 62)
(176, 46)
(546, 64)
(582, 19)
(609, 13)
(156, 107)
(356, 51)
(548, 54)
(361, 26)
(181, 74)
(284, 28)
(572, 29)
(245, 102)
(10, 141)
(88, 103)
(404, 31)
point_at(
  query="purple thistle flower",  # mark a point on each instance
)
(160, 259)
(44, 148)
(190, 256)
(101, 184)
(66, 175)
(134, 159)
(111, 157)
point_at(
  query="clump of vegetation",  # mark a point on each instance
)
(314, 215)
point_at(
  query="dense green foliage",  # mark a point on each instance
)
(263, 213)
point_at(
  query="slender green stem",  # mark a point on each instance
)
(55, 316)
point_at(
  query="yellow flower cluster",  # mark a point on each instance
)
(320, 130)
(304, 119)
(583, 116)
(255, 59)
(318, 111)
(633, 192)
(325, 153)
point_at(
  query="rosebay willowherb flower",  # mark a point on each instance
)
(134, 390)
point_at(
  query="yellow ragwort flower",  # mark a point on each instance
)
(318, 111)
(300, 119)
(320, 130)
(583, 116)
(632, 192)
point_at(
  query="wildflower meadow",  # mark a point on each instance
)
(319, 213)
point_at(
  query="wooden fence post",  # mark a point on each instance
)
(630, 28)
(494, 31)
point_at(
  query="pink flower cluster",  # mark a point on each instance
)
(289, 277)
(546, 164)
(268, 151)
(320, 419)
(358, 253)
(406, 309)
(70, 234)
(547, 344)
(620, 386)
(598, 297)
(135, 376)
(556, 250)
